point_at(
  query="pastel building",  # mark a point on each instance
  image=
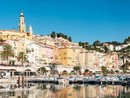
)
(67, 52)
(48, 54)
(101, 59)
(39, 54)
(33, 54)
(90, 59)
(68, 56)
(111, 61)
(83, 57)
(50, 49)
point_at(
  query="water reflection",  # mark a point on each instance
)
(61, 91)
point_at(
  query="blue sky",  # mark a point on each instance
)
(83, 20)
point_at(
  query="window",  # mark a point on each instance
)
(73, 50)
(69, 58)
(15, 47)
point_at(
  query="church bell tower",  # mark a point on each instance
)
(22, 25)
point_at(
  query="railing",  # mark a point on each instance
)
(18, 68)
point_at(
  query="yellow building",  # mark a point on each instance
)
(67, 56)
(21, 33)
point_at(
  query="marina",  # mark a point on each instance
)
(108, 80)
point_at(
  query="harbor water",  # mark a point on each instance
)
(42, 90)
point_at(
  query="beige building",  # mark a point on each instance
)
(50, 49)
(82, 57)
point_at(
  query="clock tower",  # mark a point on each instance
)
(22, 25)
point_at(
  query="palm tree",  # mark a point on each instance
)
(7, 52)
(22, 57)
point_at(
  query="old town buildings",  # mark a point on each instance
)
(44, 50)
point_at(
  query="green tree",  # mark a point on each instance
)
(70, 39)
(80, 43)
(76, 68)
(65, 36)
(22, 57)
(104, 70)
(115, 43)
(83, 44)
(86, 71)
(1, 40)
(96, 43)
(53, 34)
(7, 52)
(86, 44)
(127, 40)
(42, 70)
(60, 35)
